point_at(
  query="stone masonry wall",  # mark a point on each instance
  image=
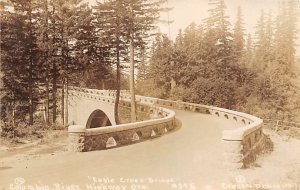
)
(81, 140)
(143, 112)
(126, 137)
(255, 144)
(237, 153)
(242, 153)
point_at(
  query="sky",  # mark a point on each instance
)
(187, 11)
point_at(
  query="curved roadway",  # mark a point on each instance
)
(188, 158)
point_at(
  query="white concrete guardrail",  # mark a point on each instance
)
(241, 144)
(82, 139)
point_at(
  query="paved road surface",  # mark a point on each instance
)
(189, 158)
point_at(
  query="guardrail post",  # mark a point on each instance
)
(232, 152)
(76, 138)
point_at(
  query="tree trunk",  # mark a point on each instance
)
(13, 114)
(45, 40)
(30, 79)
(54, 72)
(67, 86)
(30, 95)
(13, 121)
(131, 82)
(54, 91)
(48, 100)
(63, 101)
(103, 84)
(142, 68)
(173, 82)
(67, 101)
(116, 110)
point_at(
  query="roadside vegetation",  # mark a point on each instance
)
(219, 63)
(49, 45)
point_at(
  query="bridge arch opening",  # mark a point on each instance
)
(98, 119)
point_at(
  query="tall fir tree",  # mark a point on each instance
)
(285, 34)
(247, 57)
(218, 27)
(263, 36)
(159, 76)
(238, 35)
(64, 24)
(19, 41)
(140, 19)
(111, 23)
(44, 45)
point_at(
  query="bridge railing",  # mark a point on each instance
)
(241, 144)
(81, 139)
(248, 123)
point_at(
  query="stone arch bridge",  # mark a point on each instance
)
(173, 145)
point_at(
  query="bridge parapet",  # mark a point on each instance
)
(241, 145)
(153, 122)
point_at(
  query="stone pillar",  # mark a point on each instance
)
(232, 152)
(76, 138)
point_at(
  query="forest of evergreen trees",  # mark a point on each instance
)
(49, 45)
(219, 63)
